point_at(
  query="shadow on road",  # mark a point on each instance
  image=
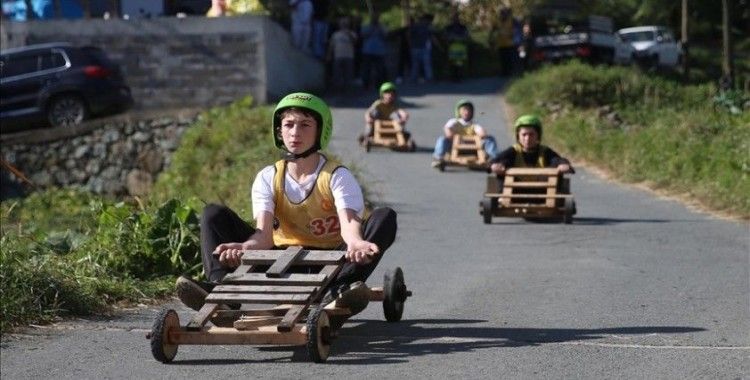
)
(610, 221)
(586, 221)
(378, 342)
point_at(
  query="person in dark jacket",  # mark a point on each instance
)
(528, 152)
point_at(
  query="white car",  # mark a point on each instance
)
(654, 46)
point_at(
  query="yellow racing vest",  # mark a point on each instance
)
(520, 163)
(462, 130)
(311, 223)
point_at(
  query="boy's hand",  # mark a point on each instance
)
(230, 254)
(361, 252)
(563, 168)
(497, 168)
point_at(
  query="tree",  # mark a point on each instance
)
(685, 42)
(727, 65)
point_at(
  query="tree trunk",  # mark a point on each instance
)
(727, 66)
(685, 43)
(29, 11)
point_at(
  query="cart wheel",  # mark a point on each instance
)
(488, 208)
(318, 335)
(394, 292)
(568, 210)
(162, 350)
(368, 145)
(441, 166)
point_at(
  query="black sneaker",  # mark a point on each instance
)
(355, 298)
(192, 293)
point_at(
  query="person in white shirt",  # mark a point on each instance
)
(341, 54)
(305, 199)
(462, 124)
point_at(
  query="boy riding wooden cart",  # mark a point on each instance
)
(529, 179)
(257, 293)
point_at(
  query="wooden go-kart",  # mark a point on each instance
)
(465, 151)
(278, 307)
(389, 134)
(530, 193)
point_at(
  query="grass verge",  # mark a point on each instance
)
(67, 252)
(683, 139)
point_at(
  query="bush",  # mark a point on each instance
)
(67, 252)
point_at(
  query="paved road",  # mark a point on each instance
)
(637, 287)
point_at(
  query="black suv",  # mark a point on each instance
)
(59, 84)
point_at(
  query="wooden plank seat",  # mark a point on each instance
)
(277, 305)
(529, 193)
(276, 286)
(467, 151)
(388, 133)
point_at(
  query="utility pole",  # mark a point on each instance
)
(685, 43)
(727, 64)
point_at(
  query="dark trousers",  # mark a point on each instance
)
(373, 68)
(507, 60)
(219, 224)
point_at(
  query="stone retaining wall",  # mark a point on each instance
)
(120, 158)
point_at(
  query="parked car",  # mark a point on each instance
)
(563, 34)
(654, 46)
(58, 84)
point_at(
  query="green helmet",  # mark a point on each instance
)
(463, 102)
(387, 86)
(529, 120)
(309, 102)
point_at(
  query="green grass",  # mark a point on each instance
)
(676, 137)
(68, 252)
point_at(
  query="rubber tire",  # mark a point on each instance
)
(70, 104)
(160, 348)
(412, 146)
(568, 211)
(318, 335)
(394, 295)
(488, 209)
(368, 146)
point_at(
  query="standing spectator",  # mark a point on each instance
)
(421, 48)
(403, 68)
(457, 36)
(526, 49)
(501, 37)
(218, 9)
(356, 26)
(320, 27)
(341, 53)
(373, 51)
(302, 11)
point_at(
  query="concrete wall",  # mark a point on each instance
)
(186, 62)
